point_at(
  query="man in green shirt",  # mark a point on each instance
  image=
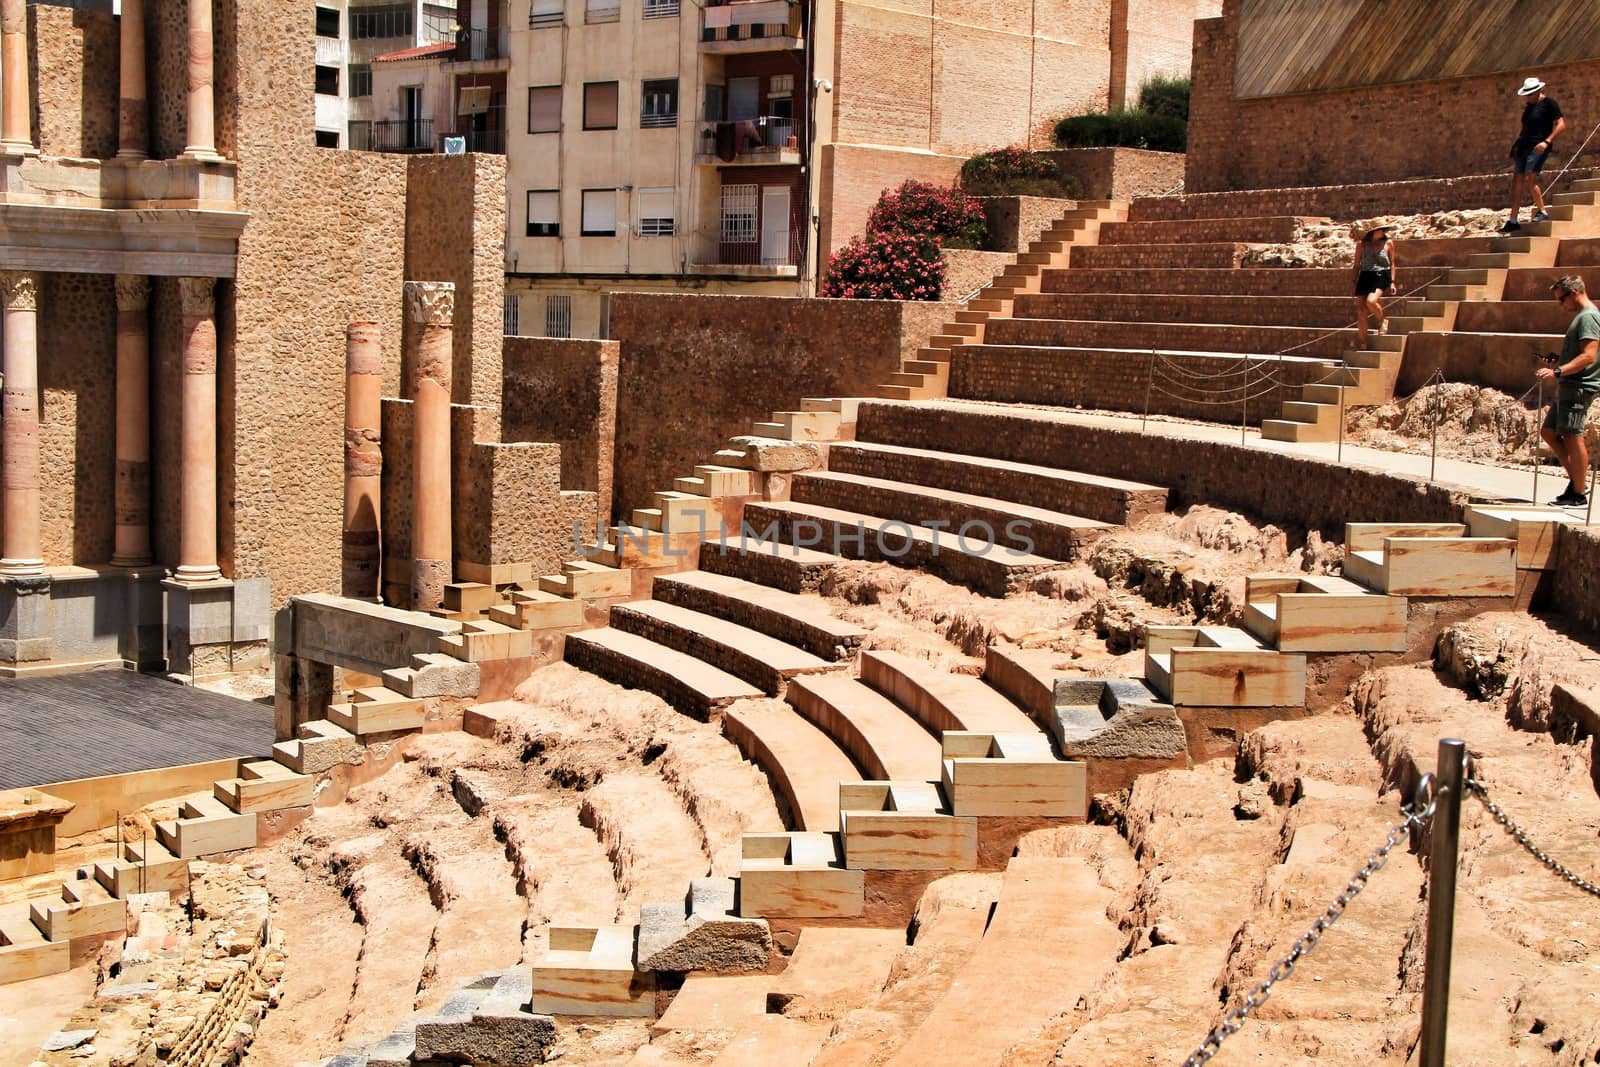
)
(1577, 374)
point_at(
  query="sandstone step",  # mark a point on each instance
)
(1144, 336)
(950, 340)
(378, 710)
(24, 951)
(1277, 229)
(701, 931)
(85, 908)
(261, 789)
(862, 536)
(844, 406)
(1317, 414)
(589, 971)
(146, 867)
(1299, 432)
(805, 764)
(714, 1002)
(1436, 566)
(1322, 312)
(1011, 775)
(963, 327)
(471, 598)
(904, 826)
(982, 520)
(1225, 282)
(801, 426)
(1110, 500)
(837, 965)
(774, 1041)
(205, 827)
(1193, 666)
(1534, 529)
(799, 620)
(722, 481)
(1195, 254)
(798, 875)
(689, 684)
(765, 662)
(538, 610)
(879, 734)
(483, 640)
(753, 557)
(940, 700)
(1306, 613)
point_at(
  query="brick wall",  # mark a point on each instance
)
(853, 177)
(696, 370)
(1274, 486)
(1437, 128)
(566, 392)
(1121, 173)
(1180, 384)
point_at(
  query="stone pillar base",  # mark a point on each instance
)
(17, 148)
(78, 618)
(218, 627)
(27, 621)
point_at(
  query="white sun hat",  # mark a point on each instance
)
(1531, 86)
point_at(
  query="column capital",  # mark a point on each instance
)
(133, 292)
(197, 296)
(431, 303)
(20, 288)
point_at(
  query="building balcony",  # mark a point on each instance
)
(396, 135)
(331, 52)
(729, 26)
(491, 142)
(740, 245)
(770, 140)
(480, 52)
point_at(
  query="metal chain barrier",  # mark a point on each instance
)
(1415, 814)
(1520, 836)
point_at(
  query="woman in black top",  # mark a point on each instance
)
(1374, 265)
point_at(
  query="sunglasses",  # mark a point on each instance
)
(1561, 297)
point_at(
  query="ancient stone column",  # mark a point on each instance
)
(202, 118)
(431, 306)
(16, 127)
(133, 122)
(197, 507)
(363, 458)
(20, 542)
(132, 495)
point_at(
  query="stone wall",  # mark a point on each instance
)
(695, 371)
(77, 381)
(1576, 588)
(967, 270)
(74, 63)
(565, 391)
(1121, 173)
(1306, 491)
(455, 212)
(1437, 128)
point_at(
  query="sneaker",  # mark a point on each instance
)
(1383, 328)
(1511, 226)
(1570, 499)
(1543, 216)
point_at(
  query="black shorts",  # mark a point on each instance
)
(1370, 281)
(1527, 161)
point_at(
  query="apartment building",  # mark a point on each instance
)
(350, 35)
(732, 145)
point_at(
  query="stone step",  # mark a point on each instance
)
(844, 406)
(722, 481)
(1299, 432)
(1157, 256)
(146, 867)
(904, 826)
(378, 710)
(205, 827)
(674, 935)
(260, 789)
(1436, 566)
(85, 908)
(1302, 613)
(1011, 775)
(773, 1041)
(804, 763)
(798, 875)
(1276, 229)
(469, 598)
(1110, 500)
(887, 742)
(689, 684)
(983, 520)
(589, 970)
(1184, 667)
(476, 1025)
(1318, 414)
(765, 662)
(1143, 337)
(24, 950)
(1228, 283)
(767, 561)
(862, 536)
(940, 700)
(799, 620)
(1321, 312)
(482, 640)
(1531, 527)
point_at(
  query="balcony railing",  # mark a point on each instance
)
(331, 52)
(475, 45)
(749, 246)
(490, 141)
(766, 136)
(400, 135)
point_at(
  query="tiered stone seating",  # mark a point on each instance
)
(804, 763)
(942, 701)
(589, 970)
(904, 826)
(789, 617)
(1319, 613)
(765, 662)
(877, 733)
(1218, 666)
(1430, 560)
(798, 876)
(690, 685)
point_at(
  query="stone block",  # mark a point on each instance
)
(496, 1030)
(434, 674)
(252, 609)
(25, 620)
(773, 454)
(1010, 774)
(710, 937)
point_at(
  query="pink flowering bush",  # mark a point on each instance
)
(886, 266)
(949, 216)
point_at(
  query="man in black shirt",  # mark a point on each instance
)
(1541, 124)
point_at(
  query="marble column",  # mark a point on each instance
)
(363, 458)
(16, 124)
(132, 497)
(202, 116)
(21, 551)
(133, 111)
(431, 306)
(197, 510)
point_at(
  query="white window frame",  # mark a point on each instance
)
(660, 9)
(657, 212)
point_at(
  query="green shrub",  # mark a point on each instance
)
(1165, 96)
(1017, 172)
(1123, 129)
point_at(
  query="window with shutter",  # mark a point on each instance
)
(546, 13)
(599, 213)
(656, 213)
(544, 213)
(600, 105)
(544, 109)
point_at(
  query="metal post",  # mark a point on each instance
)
(1433, 463)
(1244, 399)
(1148, 385)
(1534, 447)
(1342, 387)
(1449, 782)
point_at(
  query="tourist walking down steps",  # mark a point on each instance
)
(1541, 125)
(1576, 373)
(1374, 265)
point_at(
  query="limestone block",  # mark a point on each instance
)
(1533, 529)
(589, 971)
(710, 937)
(798, 875)
(772, 454)
(904, 826)
(1143, 731)
(433, 674)
(1011, 775)
(28, 821)
(496, 1030)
